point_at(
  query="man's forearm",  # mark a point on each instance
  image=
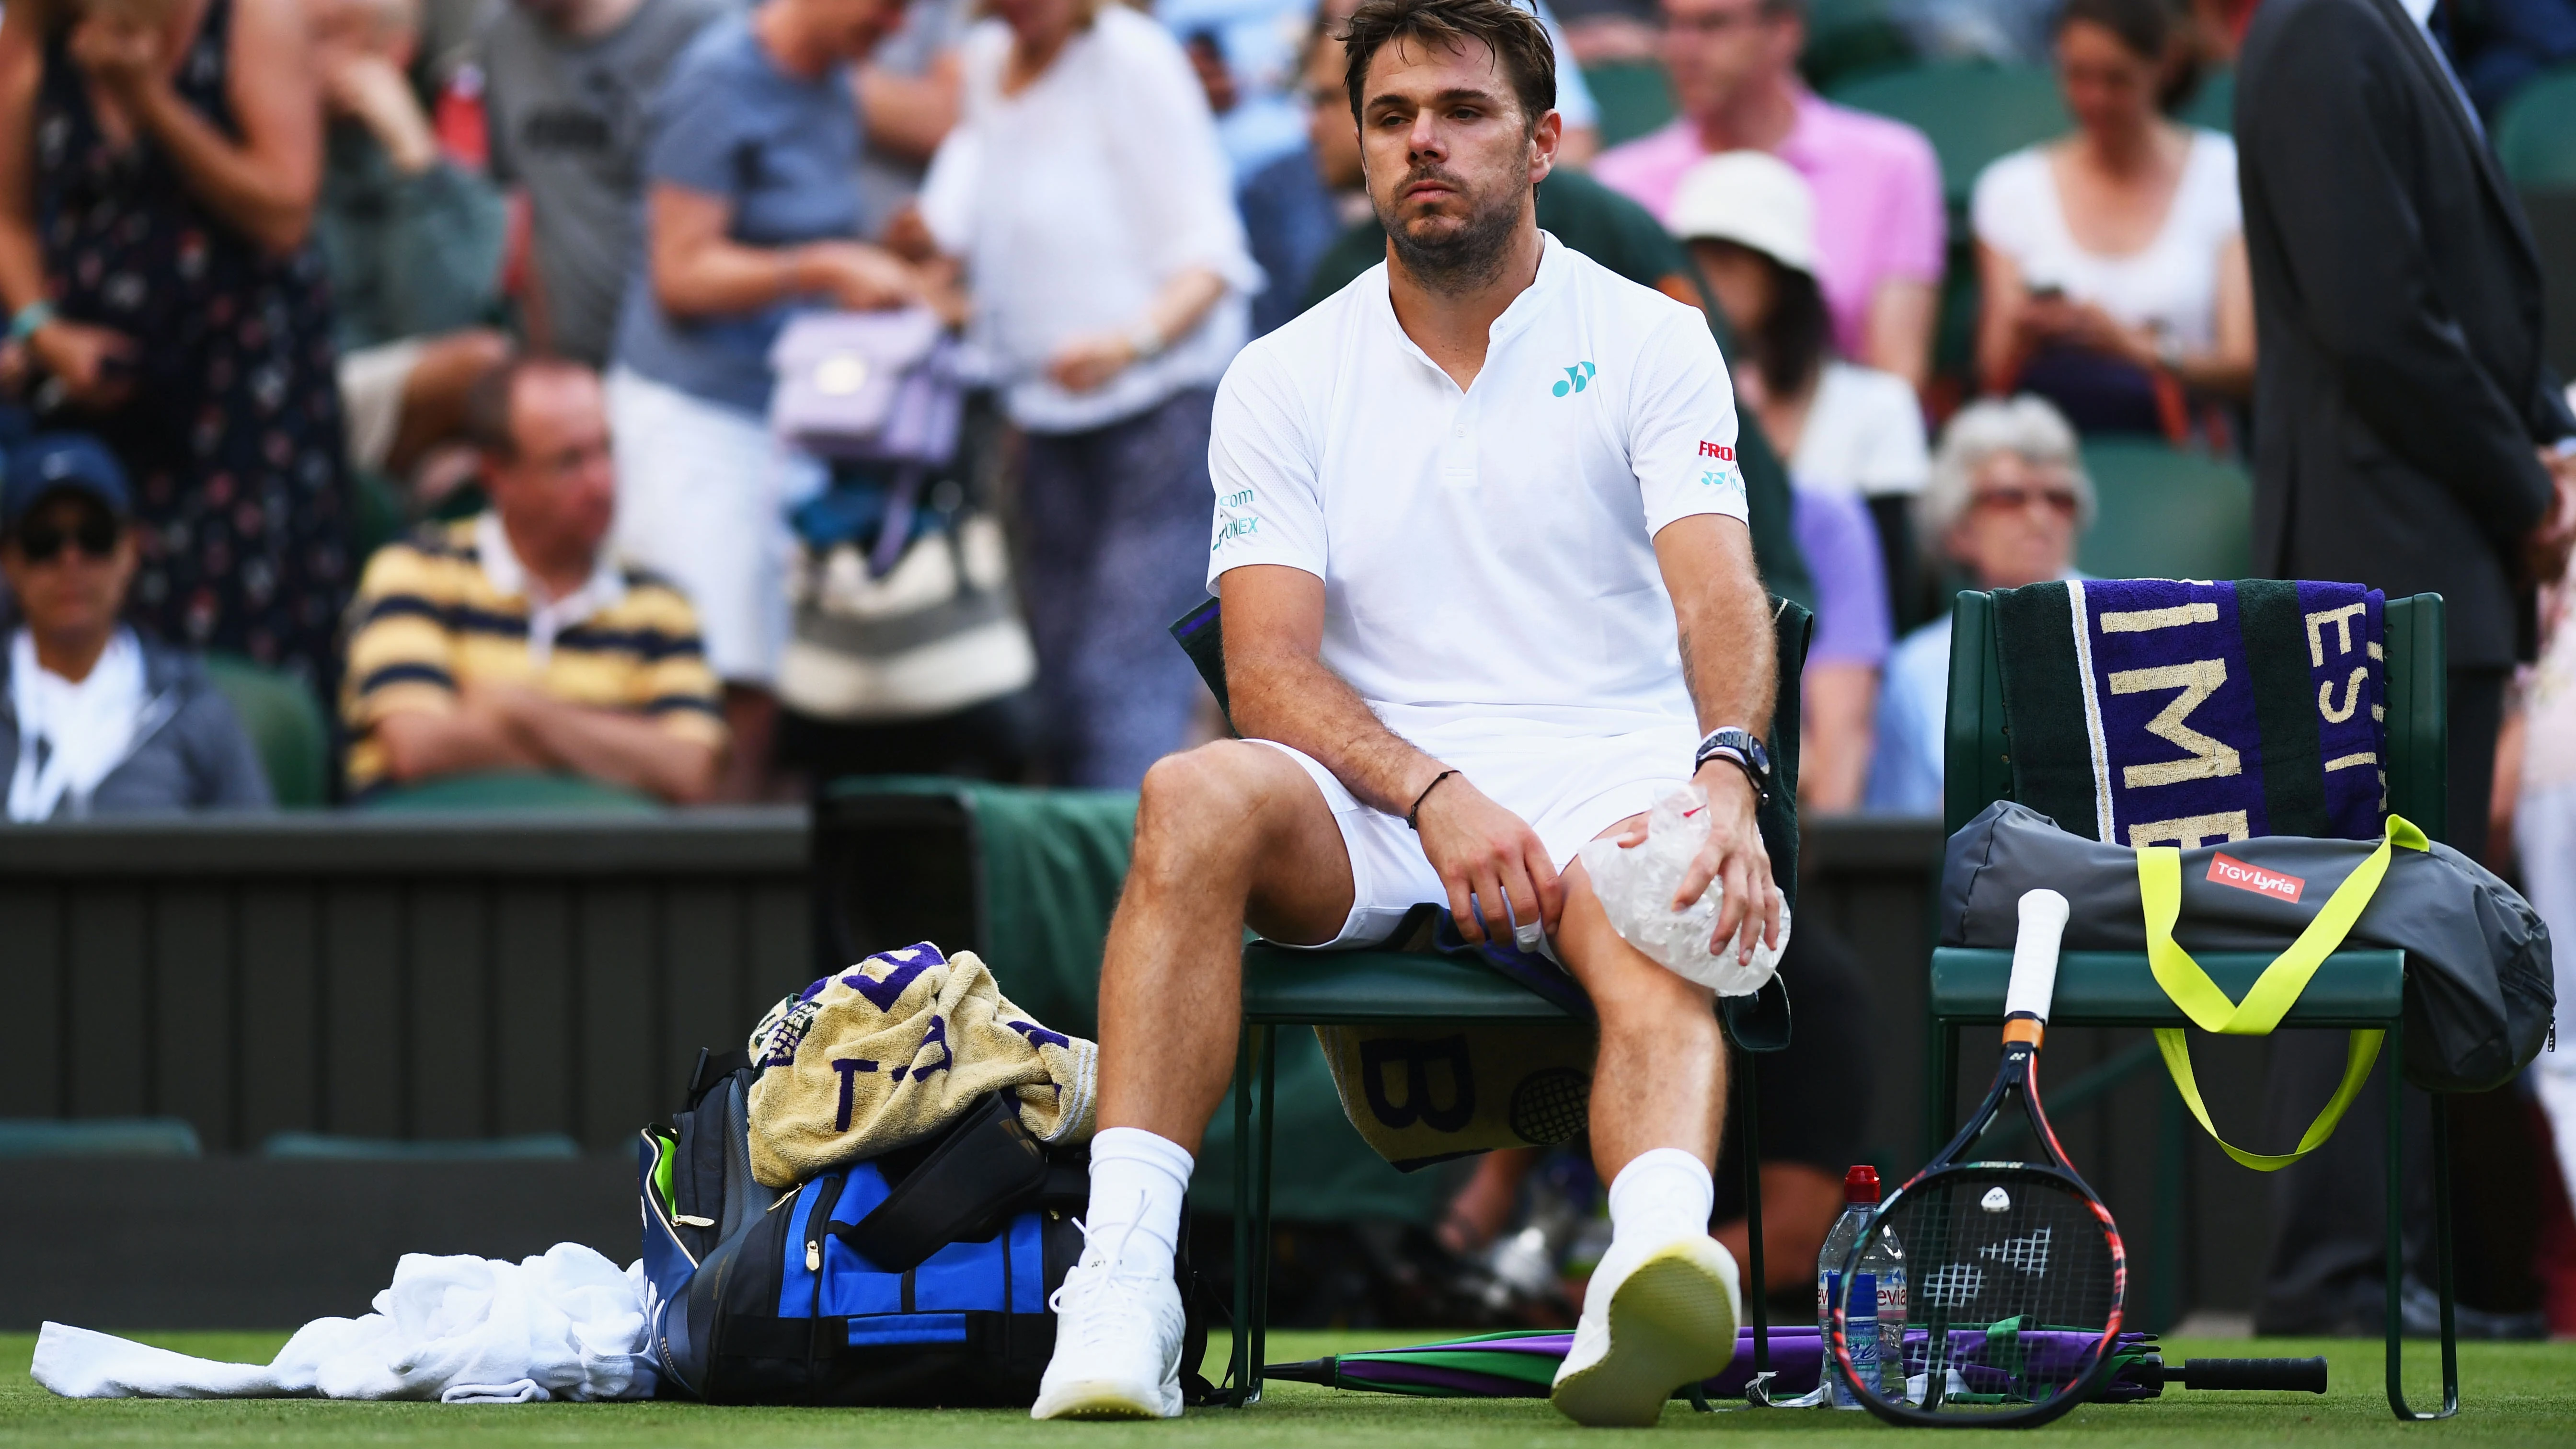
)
(419, 744)
(619, 748)
(1724, 618)
(1298, 701)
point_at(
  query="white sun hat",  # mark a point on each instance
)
(1751, 198)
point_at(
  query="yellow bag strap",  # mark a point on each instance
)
(2273, 993)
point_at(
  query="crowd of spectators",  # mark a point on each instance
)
(248, 246)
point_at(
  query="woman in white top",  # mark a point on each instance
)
(2112, 262)
(1087, 196)
(1850, 433)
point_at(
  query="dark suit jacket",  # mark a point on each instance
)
(2397, 301)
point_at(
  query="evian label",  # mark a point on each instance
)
(2227, 870)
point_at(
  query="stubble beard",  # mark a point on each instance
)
(1471, 255)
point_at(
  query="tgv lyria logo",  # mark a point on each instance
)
(1577, 378)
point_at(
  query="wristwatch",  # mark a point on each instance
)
(1741, 748)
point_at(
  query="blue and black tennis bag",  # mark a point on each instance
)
(918, 1277)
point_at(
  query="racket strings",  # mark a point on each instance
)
(2012, 1280)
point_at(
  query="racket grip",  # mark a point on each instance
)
(2281, 1375)
(2034, 967)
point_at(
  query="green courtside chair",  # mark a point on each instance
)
(2352, 989)
(2167, 514)
(512, 790)
(1285, 988)
(285, 725)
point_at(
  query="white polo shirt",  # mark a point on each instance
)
(1487, 555)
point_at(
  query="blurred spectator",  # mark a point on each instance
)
(2544, 834)
(2112, 263)
(511, 640)
(173, 304)
(752, 211)
(565, 87)
(1087, 196)
(98, 719)
(413, 242)
(908, 97)
(2409, 436)
(1848, 431)
(1880, 227)
(2008, 500)
(1295, 206)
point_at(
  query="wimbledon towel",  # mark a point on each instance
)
(2168, 712)
(464, 1330)
(894, 1049)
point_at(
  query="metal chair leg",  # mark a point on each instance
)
(1748, 1110)
(1240, 1360)
(1265, 1042)
(2390, 1059)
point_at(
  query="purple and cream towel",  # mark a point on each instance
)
(2168, 712)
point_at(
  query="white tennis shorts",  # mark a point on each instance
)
(1569, 790)
(702, 499)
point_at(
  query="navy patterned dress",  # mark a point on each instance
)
(232, 434)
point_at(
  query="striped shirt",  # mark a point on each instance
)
(451, 608)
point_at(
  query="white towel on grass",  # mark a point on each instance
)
(465, 1330)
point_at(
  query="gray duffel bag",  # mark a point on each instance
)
(2479, 993)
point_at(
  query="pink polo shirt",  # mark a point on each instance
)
(1878, 197)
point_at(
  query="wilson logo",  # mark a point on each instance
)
(2227, 870)
(1719, 451)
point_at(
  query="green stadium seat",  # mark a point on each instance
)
(379, 512)
(513, 790)
(2166, 514)
(1848, 39)
(2535, 138)
(285, 723)
(99, 1137)
(1972, 113)
(2213, 106)
(1633, 97)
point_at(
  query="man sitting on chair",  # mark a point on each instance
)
(1488, 592)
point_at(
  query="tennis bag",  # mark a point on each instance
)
(918, 1277)
(2479, 993)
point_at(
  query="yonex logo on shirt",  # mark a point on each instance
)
(1577, 377)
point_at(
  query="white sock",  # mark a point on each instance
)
(1139, 1185)
(1659, 1196)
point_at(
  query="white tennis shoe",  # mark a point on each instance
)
(1117, 1345)
(1655, 1317)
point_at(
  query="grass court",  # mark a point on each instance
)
(2516, 1394)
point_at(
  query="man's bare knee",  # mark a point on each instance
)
(1628, 987)
(1218, 797)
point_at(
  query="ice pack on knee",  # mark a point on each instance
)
(1636, 888)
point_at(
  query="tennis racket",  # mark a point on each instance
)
(2013, 1271)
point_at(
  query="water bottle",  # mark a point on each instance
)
(1875, 1326)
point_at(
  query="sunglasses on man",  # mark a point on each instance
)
(42, 540)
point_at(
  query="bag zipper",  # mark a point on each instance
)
(818, 1225)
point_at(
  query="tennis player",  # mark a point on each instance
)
(1488, 593)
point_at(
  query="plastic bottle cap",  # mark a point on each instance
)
(1861, 1184)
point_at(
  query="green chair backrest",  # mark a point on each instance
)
(2213, 105)
(1972, 113)
(1847, 39)
(2166, 514)
(514, 790)
(2535, 138)
(1977, 764)
(285, 723)
(1633, 97)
